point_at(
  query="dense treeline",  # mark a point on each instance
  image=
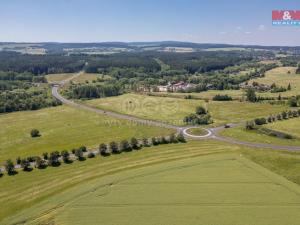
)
(93, 91)
(20, 100)
(137, 61)
(40, 64)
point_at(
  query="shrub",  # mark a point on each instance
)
(83, 148)
(125, 146)
(10, 167)
(172, 138)
(180, 138)
(251, 95)
(134, 143)
(65, 156)
(146, 142)
(79, 154)
(114, 147)
(222, 98)
(292, 102)
(103, 150)
(35, 133)
(40, 163)
(25, 164)
(45, 155)
(250, 125)
(200, 110)
(91, 155)
(154, 141)
(260, 121)
(18, 160)
(164, 140)
(284, 115)
(279, 117)
(53, 159)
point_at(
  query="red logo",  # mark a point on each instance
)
(286, 15)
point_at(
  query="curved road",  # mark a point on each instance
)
(213, 133)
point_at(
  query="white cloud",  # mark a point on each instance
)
(223, 32)
(238, 28)
(247, 32)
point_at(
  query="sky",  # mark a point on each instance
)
(201, 21)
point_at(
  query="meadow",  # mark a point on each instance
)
(193, 187)
(63, 128)
(290, 126)
(173, 110)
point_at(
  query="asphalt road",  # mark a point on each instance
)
(213, 133)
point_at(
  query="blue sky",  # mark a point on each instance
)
(211, 21)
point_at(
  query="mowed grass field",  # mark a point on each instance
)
(173, 110)
(291, 126)
(186, 191)
(64, 128)
(281, 77)
(81, 78)
(27, 189)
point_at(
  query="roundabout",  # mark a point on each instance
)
(197, 132)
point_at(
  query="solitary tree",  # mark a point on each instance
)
(200, 110)
(289, 87)
(35, 133)
(251, 95)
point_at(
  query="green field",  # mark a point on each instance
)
(187, 191)
(59, 77)
(62, 128)
(290, 126)
(173, 110)
(280, 77)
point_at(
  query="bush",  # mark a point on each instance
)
(200, 110)
(146, 142)
(114, 147)
(53, 159)
(125, 146)
(83, 148)
(91, 155)
(260, 121)
(154, 141)
(292, 102)
(103, 150)
(25, 164)
(284, 115)
(79, 154)
(45, 155)
(222, 98)
(65, 156)
(40, 163)
(180, 138)
(250, 125)
(10, 167)
(35, 133)
(134, 143)
(172, 139)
